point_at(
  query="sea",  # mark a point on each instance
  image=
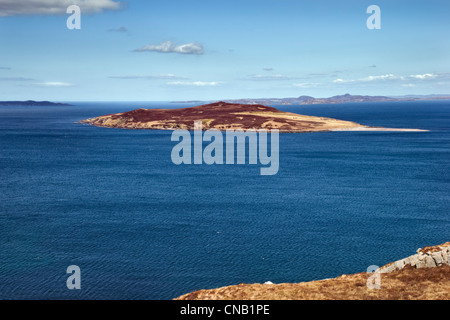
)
(112, 203)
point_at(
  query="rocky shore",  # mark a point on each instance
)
(422, 276)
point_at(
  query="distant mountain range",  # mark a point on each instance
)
(346, 98)
(31, 103)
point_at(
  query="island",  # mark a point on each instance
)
(224, 116)
(32, 103)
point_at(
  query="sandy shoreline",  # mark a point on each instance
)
(364, 128)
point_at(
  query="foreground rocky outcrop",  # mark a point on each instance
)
(424, 276)
(226, 116)
(427, 257)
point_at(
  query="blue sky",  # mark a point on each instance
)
(169, 50)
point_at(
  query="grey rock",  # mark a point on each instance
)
(437, 256)
(429, 262)
(420, 260)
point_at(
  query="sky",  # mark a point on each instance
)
(177, 50)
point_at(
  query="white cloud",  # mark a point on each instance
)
(194, 83)
(385, 77)
(390, 76)
(370, 79)
(408, 85)
(423, 76)
(382, 77)
(55, 84)
(53, 7)
(170, 47)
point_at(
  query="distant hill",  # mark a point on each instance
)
(32, 103)
(346, 98)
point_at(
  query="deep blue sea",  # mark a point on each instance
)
(139, 227)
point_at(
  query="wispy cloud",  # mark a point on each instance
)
(16, 79)
(267, 69)
(5, 68)
(34, 83)
(390, 77)
(194, 83)
(55, 84)
(149, 77)
(264, 77)
(54, 7)
(306, 85)
(370, 79)
(170, 47)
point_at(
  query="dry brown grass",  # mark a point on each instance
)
(431, 249)
(406, 284)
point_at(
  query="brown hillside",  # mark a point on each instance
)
(416, 282)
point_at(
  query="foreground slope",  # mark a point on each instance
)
(423, 276)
